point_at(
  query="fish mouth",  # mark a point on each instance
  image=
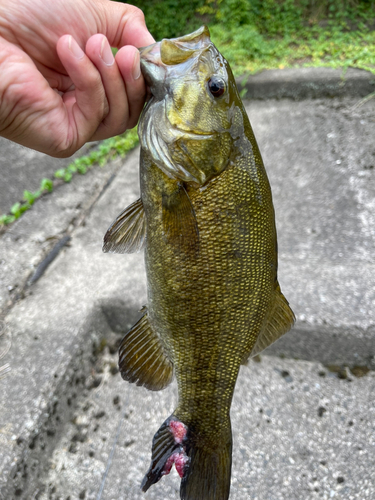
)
(151, 64)
(171, 57)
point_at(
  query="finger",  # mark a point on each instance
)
(90, 106)
(127, 59)
(56, 80)
(116, 122)
(126, 26)
(27, 99)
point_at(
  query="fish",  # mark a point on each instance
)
(206, 222)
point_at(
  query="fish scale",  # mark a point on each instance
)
(206, 221)
(211, 304)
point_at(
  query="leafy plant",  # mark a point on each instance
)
(46, 185)
(18, 209)
(258, 34)
(6, 219)
(30, 197)
(170, 18)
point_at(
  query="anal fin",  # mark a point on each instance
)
(180, 228)
(280, 321)
(127, 233)
(142, 359)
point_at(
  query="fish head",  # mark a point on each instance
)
(188, 125)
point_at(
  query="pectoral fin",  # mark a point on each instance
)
(280, 321)
(180, 228)
(142, 359)
(127, 234)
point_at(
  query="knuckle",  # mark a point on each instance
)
(61, 152)
(93, 80)
(105, 109)
(62, 148)
(137, 13)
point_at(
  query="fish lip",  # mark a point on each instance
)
(150, 55)
(152, 68)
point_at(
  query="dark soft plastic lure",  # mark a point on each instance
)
(206, 220)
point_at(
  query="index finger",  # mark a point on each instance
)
(126, 26)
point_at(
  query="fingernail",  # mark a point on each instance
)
(136, 67)
(106, 53)
(75, 48)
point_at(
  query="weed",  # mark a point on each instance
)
(30, 197)
(259, 34)
(46, 185)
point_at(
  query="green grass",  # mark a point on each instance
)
(250, 53)
(259, 34)
(108, 149)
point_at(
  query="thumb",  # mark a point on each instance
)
(125, 25)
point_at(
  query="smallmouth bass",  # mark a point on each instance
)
(206, 221)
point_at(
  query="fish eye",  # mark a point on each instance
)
(216, 86)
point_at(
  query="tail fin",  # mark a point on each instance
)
(205, 470)
(208, 474)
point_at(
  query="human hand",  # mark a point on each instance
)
(60, 85)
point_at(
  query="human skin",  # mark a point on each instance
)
(60, 85)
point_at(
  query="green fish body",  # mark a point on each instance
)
(206, 221)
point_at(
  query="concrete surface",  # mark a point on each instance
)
(24, 169)
(302, 428)
(308, 83)
(299, 432)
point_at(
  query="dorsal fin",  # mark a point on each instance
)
(142, 359)
(127, 233)
(280, 321)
